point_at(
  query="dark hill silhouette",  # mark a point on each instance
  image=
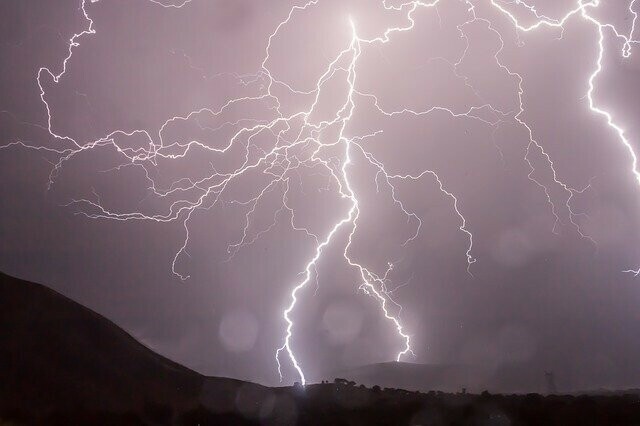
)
(57, 353)
(506, 378)
(62, 364)
(57, 356)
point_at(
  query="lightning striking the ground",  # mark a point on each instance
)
(277, 149)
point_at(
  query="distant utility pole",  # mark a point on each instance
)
(551, 382)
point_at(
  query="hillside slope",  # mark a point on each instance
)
(55, 353)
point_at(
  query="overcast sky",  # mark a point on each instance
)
(539, 294)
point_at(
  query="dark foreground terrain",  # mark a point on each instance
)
(62, 364)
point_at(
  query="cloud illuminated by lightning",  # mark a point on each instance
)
(298, 145)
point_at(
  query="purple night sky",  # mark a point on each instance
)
(208, 125)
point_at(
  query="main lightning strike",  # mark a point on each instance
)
(287, 155)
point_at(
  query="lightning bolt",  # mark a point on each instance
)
(299, 142)
(582, 10)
